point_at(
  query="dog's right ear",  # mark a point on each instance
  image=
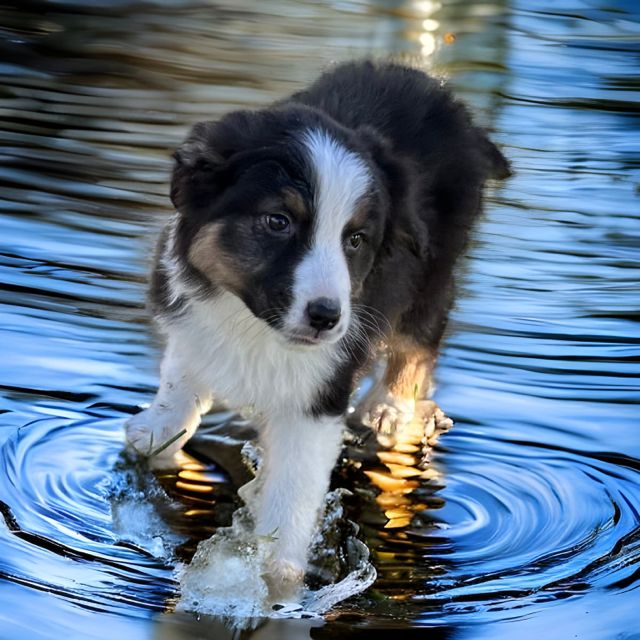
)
(197, 160)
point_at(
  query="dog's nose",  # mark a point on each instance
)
(323, 313)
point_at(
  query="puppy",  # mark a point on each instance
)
(308, 236)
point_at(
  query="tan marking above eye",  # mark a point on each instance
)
(295, 203)
(289, 202)
(358, 219)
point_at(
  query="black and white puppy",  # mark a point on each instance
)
(307, 234)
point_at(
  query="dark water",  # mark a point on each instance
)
(527, 520)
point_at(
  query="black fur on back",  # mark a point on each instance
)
(435, 162)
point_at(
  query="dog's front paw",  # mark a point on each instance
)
(160, 434)
(285, 579)
(385, 413)
(390, 416)
(434, 419)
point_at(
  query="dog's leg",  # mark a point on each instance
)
(287, 496)
(180, 402)
(395, 400)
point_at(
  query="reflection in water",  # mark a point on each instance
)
(523, 519)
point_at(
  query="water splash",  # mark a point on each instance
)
(225, 576)
(137, 502)
(228, 574)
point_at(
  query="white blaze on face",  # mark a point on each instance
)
(341, 179)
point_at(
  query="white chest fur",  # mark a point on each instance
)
(246, 362)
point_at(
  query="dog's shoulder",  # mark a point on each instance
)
(416, 113)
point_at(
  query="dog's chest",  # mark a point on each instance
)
(245, 362)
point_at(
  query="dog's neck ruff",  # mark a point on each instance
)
(247, 362)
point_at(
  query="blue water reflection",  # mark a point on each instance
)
(536, 526)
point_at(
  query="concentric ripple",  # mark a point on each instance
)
(540, 521)
(495, 526)
(501, 527)
(109, 534)
(57, 480)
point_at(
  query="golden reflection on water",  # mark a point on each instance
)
(405, 468)
(202, 501)
(387, 476)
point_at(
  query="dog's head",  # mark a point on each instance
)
(285, 209)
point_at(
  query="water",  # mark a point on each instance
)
(526, 520)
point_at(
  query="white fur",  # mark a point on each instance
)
(181, 400)
(288, 492)
(342, 178)
(220, 346)
(170, 263)
(247, 363)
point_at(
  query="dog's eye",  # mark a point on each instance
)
(355, 240)
(278, 222)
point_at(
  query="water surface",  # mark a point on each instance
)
(526, 520)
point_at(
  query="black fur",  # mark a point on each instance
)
(434, 162)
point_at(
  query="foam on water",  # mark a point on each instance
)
(137, 522)
(226, 576)
(135, 501)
